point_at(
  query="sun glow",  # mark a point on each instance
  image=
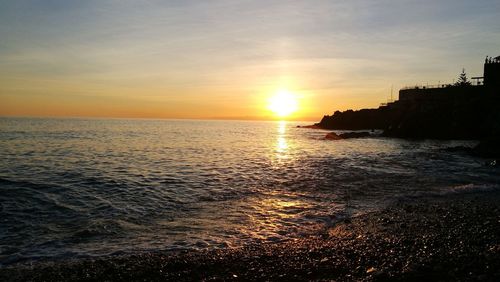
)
(283, 103)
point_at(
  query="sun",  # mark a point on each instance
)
(283, 103)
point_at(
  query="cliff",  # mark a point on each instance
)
(475, 116)
(453, 111)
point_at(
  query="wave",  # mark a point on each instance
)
(450, 191)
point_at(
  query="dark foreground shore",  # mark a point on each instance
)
(450, 238)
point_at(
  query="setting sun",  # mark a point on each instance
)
(283, 103)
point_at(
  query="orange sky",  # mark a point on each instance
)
(224, 59)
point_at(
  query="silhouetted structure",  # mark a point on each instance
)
(487, 84)
(492, 73)
(462, 110)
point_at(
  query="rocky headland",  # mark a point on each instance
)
(469, 118)
(449, 112)
(462, 110)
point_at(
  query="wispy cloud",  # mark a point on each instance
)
(331, 50)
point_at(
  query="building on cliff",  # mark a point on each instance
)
(462, 110)
(489, 83)
(492, 72)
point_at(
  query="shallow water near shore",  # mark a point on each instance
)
(90, 187)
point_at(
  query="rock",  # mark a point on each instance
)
(361, 134)
(371, 270)
(347, 135)
(332, 136)
(313, 126)
(488, 148)
(464, 116)
(356, 120)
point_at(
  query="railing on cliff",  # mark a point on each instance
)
(434, 86)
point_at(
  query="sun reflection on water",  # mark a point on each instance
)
(281, 146)
(277, 212)
(282, 127)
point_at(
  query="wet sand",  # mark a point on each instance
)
(447, 238)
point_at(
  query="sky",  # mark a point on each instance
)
(224, 59)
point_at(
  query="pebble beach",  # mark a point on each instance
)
(447, 238)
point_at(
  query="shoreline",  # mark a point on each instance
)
(453, 237)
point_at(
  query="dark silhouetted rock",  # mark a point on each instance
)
(488, 148)
(314, 126)
(454, 111)
(347, 135)
(462, 117)
(332, 136)
(357, 120)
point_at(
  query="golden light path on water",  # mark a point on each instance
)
(277, 206)
(271, 212)
(281, 143)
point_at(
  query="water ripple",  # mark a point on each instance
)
(80, 187)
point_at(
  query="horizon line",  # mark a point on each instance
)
(159, 118)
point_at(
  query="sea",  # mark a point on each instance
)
(77, 188)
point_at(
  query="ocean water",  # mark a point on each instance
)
(88, 187)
